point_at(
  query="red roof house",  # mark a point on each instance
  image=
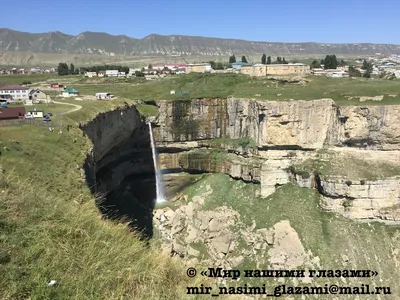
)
(12, 113)
(56, 85)
(13, 87)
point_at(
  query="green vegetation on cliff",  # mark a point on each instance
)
(347, 166)
(334, 241)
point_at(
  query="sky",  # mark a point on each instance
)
(326, 21)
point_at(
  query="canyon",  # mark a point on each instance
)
(340, 160)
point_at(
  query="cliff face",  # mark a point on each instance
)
(280, 124)
(196, 136)
(283, 132)
(120, 167)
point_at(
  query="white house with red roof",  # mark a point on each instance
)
(18, 92)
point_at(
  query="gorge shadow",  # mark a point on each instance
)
(123, 182)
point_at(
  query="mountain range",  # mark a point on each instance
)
(179, 45)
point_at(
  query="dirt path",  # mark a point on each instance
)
(76, 107)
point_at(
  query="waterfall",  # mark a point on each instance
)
(160, 200)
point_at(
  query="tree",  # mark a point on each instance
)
(232, 59)
(150, 67)
(213, 64)
(284, 61)
(269, 60)
(330, 62)
(367, 66)
(315, 64)
(367, 74)
(72, 69)
(62, 69)
(139, 74)
(334, 62)
(244, 59)
(327, 62)
(219, 66)
(264, 59)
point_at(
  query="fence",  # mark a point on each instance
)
(30, 122)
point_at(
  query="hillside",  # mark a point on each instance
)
(154, 44)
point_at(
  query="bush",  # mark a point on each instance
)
(26, 82)
(348, 183)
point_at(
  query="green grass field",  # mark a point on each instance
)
(224, 85)
(20, 78)
(344, 91)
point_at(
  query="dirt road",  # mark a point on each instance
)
(76, 107)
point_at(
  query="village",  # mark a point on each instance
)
(23, 101)
(381, 64)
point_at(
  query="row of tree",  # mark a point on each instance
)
(264, 60)
(268, 60)
(232, 59)
(105, 67)
(63, 69)
(330, 62)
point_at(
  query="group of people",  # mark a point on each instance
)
(51, 129)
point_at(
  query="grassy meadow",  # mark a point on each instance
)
(50, 228)
(224, 85)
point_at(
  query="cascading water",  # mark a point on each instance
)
(160, 200)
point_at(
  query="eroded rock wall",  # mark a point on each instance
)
(280, 124)
(283, 132)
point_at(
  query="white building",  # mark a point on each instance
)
(36, 113)
(17, 92)
(104, 96)
(90, 74)
(112, 73)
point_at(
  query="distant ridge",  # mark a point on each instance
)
(106, 44)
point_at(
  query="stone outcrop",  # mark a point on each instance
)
(214, 237)
(361, 199)
(211, 161)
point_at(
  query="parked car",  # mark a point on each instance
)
(36, 101)
(28, 116)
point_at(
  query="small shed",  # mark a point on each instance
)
(71, 91)
(56, 85)
(37, 113)
(104, 96)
